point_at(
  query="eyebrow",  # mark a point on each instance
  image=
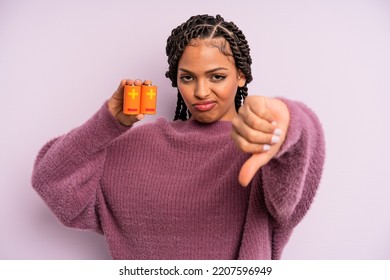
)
(207, 72)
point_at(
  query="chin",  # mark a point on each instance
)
(204, 118)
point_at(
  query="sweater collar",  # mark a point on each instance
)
(212, 128)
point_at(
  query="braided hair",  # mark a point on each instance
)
(208, 27)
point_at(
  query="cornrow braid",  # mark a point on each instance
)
(202, 27)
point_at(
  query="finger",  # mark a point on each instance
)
(248, 147)
(130, 82)
(147, 82)
(137, 82)
(250, 168)
(255, 122)
(139, 117)
(254, 136)
(261, 109)
(129, 120)
(118, 93)
(121, 85)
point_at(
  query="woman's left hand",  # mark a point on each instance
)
(259, 128)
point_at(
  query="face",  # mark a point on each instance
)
(208, 81)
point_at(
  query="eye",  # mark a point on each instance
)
(186, 78)
(218, 78)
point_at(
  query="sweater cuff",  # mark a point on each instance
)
(294, 128)
(100, 130)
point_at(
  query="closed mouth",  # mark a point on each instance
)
(204, 105)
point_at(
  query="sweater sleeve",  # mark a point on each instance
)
(291, 178)
(68, 169)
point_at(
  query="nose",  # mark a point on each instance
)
(202, 89)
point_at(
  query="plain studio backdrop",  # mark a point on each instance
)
(60, 60)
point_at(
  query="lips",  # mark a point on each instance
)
(204, 105)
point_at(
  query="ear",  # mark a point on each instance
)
(241, 79)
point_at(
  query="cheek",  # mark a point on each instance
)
(229, 91)
(185, 92)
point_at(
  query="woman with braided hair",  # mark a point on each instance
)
(229, 178)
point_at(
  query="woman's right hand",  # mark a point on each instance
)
(115, 103)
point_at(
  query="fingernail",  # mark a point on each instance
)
(275, 139)
(266, 147)
(277, 132)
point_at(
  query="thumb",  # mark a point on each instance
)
(250, 167)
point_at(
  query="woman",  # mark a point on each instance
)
(174, 190)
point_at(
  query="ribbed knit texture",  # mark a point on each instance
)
(169, 190)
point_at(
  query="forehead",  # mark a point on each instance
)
(218, 42)
(207, 51)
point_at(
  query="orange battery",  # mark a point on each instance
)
(148, 99)
(132, 100)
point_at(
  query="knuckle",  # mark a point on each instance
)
(256, 123)
(244, 146)
(259, 149)
(240, 110)
(252, 137)
(235, 122)
(247, 147)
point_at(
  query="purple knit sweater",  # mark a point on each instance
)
(169, 190)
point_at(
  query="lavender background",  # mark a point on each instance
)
(60, 60)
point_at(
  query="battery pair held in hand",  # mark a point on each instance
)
(139, 100)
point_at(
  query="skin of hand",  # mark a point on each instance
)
(115, 103)
(259, 128)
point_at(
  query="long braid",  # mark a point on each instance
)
(181, 108)
(206, 26)
(241, 94)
